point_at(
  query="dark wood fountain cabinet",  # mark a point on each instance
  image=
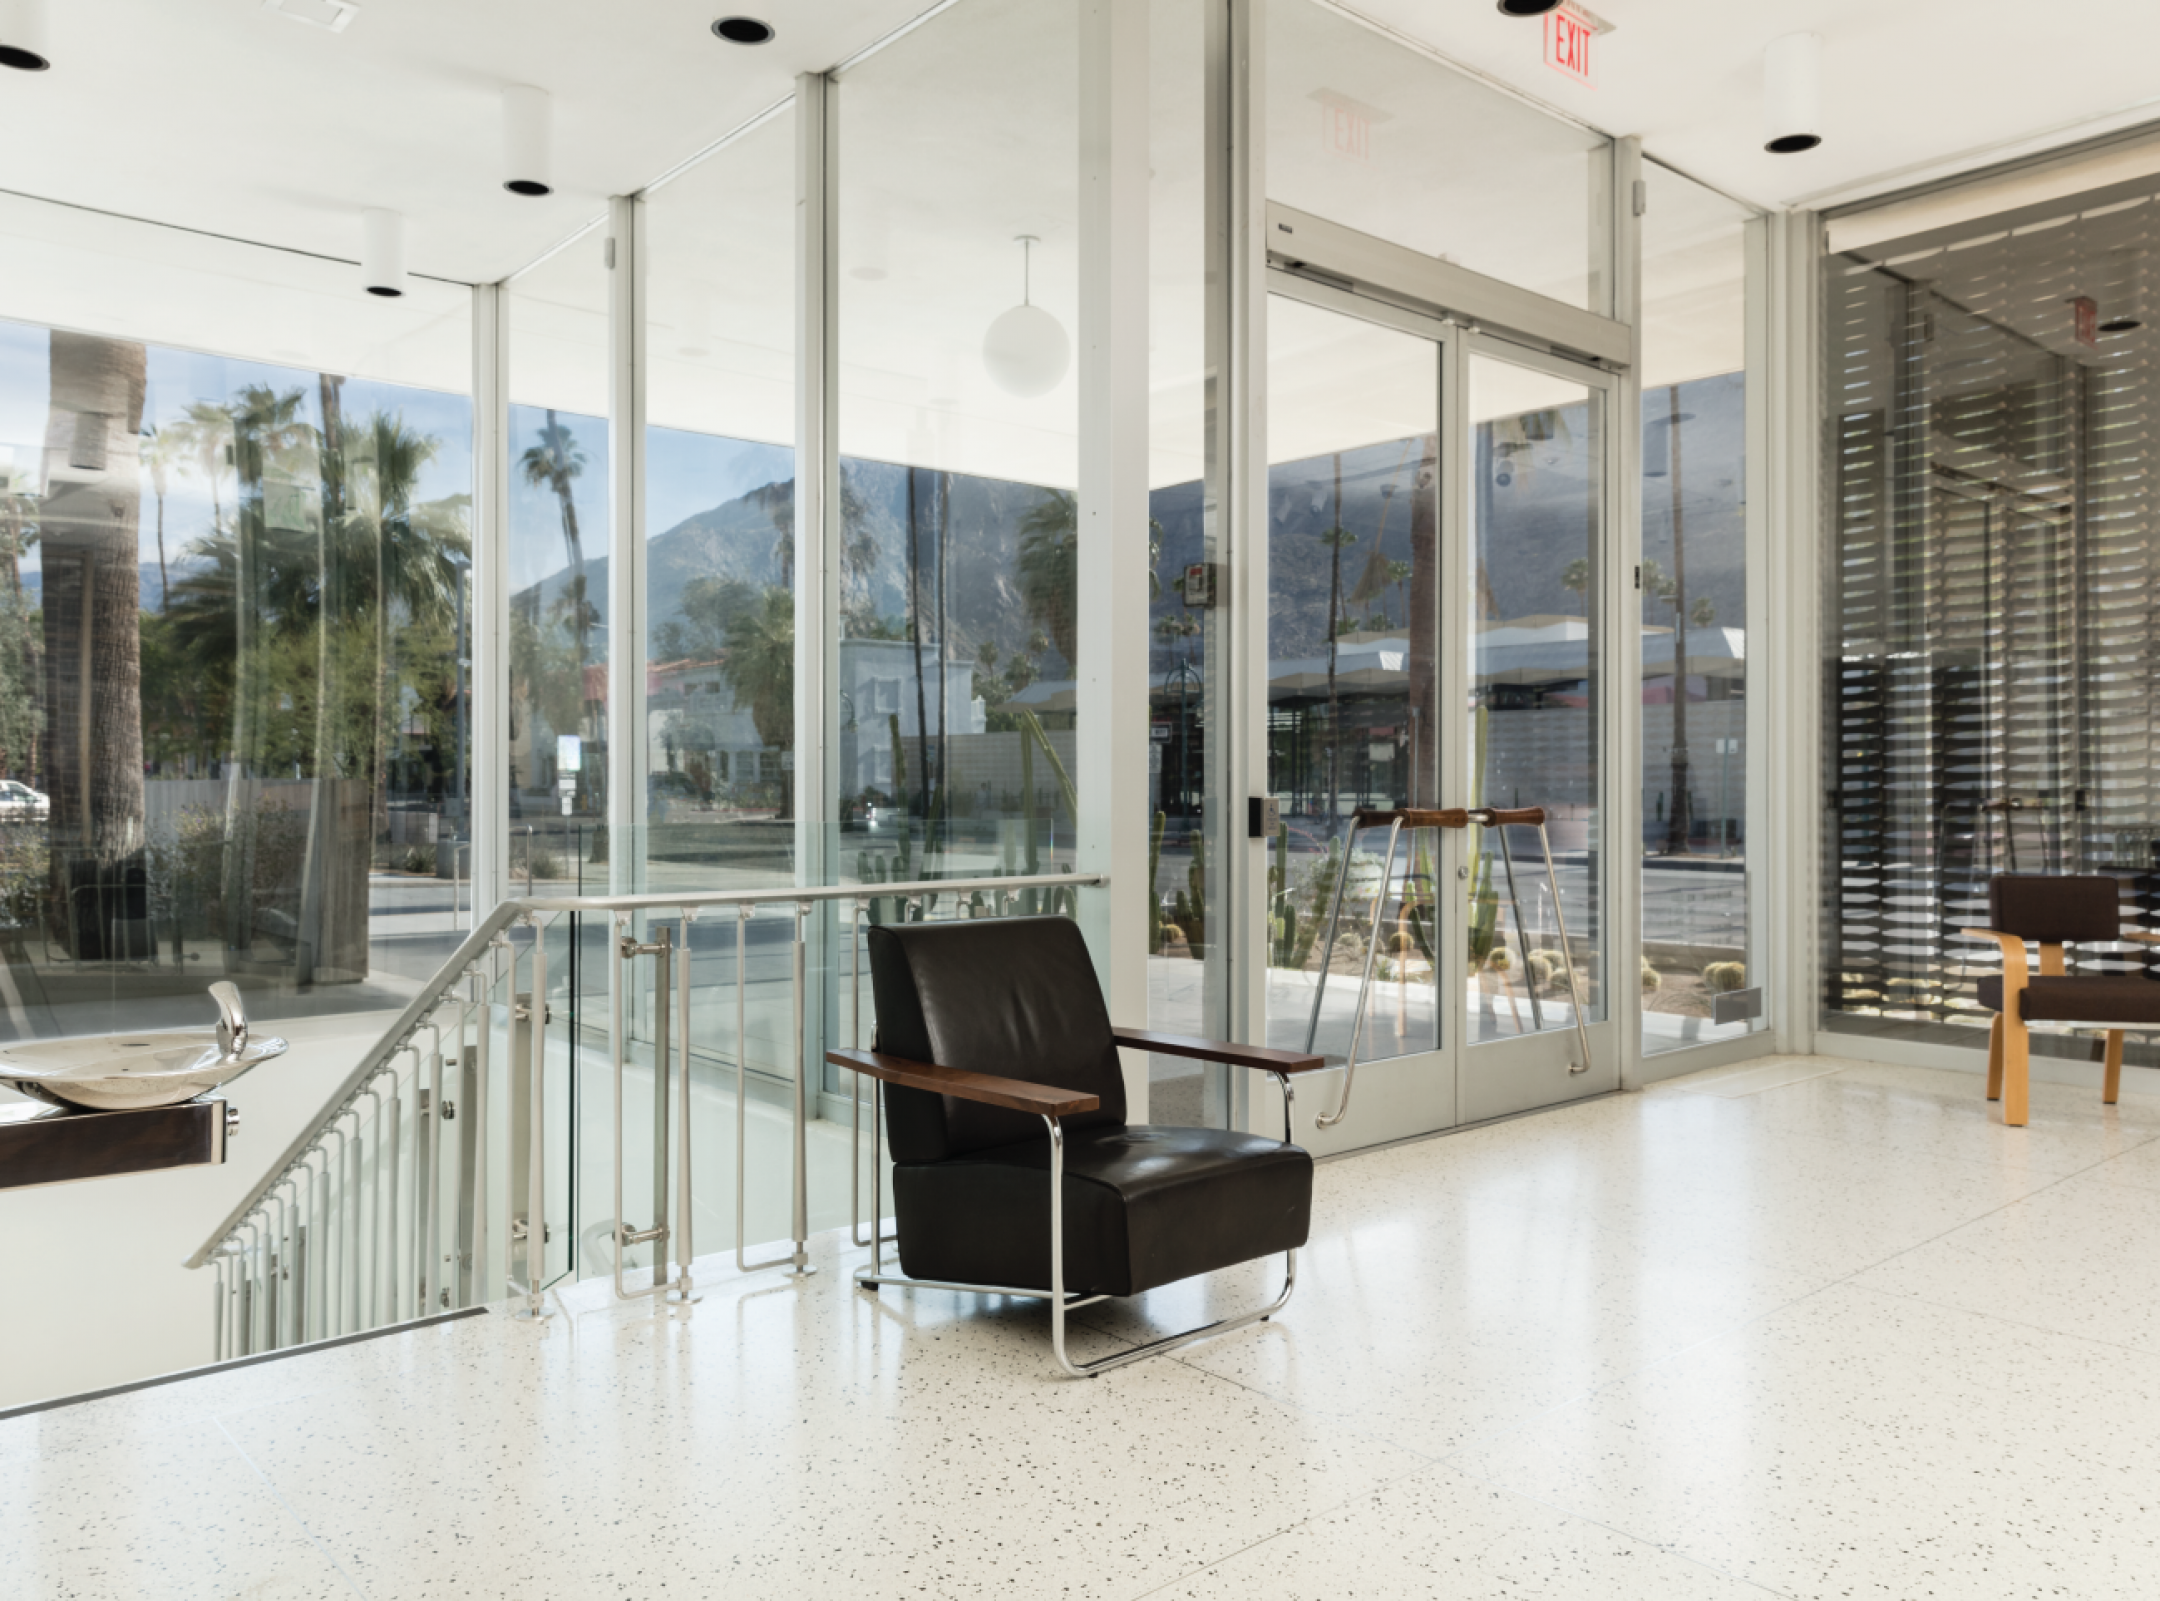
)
(58, 1145)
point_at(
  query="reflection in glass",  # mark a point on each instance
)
(1537, 512)
(720, 518)
(558, 569)
(231, 661)
(1366, 132)
(1353, 687)
(959, 520)
(1694, 611)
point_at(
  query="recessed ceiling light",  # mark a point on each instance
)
(743, 30)
(336, 15)
(1527, 8)
(2120, 325)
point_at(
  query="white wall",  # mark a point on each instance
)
(95, 1293)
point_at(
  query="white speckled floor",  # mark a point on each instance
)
(1799, 1328)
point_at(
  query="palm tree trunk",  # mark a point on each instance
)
(1420, 607)
(89, 528)
(1679, 822)
(914, 607)
(1334, 600)
(944, 653)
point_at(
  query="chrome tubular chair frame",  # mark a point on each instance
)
(875, 1277)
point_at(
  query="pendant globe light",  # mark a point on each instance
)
(1026, 351)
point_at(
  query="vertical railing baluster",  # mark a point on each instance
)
(391, 1141)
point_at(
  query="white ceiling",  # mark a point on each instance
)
(227, 115)
(1911, 88)
(224, 115)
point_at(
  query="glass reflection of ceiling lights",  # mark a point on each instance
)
(1026, 351)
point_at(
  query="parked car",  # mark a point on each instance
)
(22, 804)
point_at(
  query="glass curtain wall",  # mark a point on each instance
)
(234, 521)
(957, 161)
(1187, 636)
(720, 610)
(557, 568)
(557, 564)
(720, 516)
(1353, 672)
(1694, 612)
(1991, 646)
(1369, 133)
(1537, 689)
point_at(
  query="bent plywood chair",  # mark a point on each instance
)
(2053, 912)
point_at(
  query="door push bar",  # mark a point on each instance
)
(1397, 820)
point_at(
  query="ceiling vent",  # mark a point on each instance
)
(336, 15)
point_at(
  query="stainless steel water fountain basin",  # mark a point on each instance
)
(123, 1072)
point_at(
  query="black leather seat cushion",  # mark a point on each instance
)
(1144, 1206)
(2114, 998)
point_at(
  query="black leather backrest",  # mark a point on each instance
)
(1014, 996)
(2053, 910)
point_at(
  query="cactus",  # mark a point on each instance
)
(1193, 908)
(1722, 978)
(1154, 895)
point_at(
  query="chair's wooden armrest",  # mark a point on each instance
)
(2143, 936)
(1260, 1056)
(1994, 934)
(1017, 1094)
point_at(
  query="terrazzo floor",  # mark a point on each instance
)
(1798, 1328)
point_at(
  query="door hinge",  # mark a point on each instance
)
(1638, 576)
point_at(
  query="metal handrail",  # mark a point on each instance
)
(434, 993)
(395, 1038)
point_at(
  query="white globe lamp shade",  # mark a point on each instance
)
(1026, 352)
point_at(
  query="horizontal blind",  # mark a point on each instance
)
(1989, 685)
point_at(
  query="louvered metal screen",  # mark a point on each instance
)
(1989, 681)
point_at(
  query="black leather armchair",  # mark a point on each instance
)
(1014, 1169)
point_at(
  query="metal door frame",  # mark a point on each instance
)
(1491, 1078)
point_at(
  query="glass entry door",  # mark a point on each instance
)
(1434, 527)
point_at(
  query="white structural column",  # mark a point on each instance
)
(489, 728)
(1110, 692)
(1623, 606)
(817, 478)
(626, 756)
(1788, 830)
(817, 544)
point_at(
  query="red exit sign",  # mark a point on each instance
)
(1568, 32)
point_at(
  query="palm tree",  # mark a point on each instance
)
(554, 464)
(760, 672)
(161, 452)
(1050, 570)
(205, 435)
(88, 526)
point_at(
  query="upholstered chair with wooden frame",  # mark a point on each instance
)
(1015, 1171)
(2053, 912)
